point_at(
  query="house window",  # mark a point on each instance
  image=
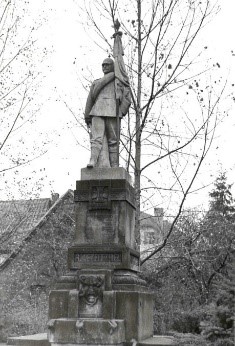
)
(149, 238)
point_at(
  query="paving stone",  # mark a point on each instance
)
(158, 340)
(29, 340)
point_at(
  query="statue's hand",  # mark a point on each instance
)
(117, 25)
(88, 121)
(118, 33)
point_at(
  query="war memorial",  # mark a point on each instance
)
(102, 300)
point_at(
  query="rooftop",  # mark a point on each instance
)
(17, 218)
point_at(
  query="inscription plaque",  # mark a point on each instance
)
(100, 226)
(97, 257)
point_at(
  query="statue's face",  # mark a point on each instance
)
(107, 66)
(90, 289)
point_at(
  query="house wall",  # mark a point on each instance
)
(27, 277)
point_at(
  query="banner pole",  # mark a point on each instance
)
(118, 129)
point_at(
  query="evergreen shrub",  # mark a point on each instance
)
(224, 342)
(188, 321)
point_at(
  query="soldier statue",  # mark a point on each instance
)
(108, 101)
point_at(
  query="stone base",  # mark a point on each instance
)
(105, 173)
(136, 308)
(105, 213)
(127, 280)
(102, 300)
(86, 331)
(68, 308)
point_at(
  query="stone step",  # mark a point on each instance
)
(86, 331)
(41, 340)
(158, 340)
(29, 340)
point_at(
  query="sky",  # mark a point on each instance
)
(66, 40)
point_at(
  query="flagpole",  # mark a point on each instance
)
(116, 28)
(122, 85)
(118, 129)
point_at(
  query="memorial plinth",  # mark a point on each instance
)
(102, 300)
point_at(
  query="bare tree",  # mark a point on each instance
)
(202, 243)
(19, 79)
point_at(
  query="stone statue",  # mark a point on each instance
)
(108, 101)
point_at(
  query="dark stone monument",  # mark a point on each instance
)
(102, 300)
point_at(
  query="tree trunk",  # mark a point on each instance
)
(138, 129)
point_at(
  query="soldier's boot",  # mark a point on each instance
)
(94, 157)
(113, 159)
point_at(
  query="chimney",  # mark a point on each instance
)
(158, 213)
(54, 197)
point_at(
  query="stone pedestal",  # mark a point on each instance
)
(102, 300)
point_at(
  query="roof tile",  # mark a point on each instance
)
(17, 218)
